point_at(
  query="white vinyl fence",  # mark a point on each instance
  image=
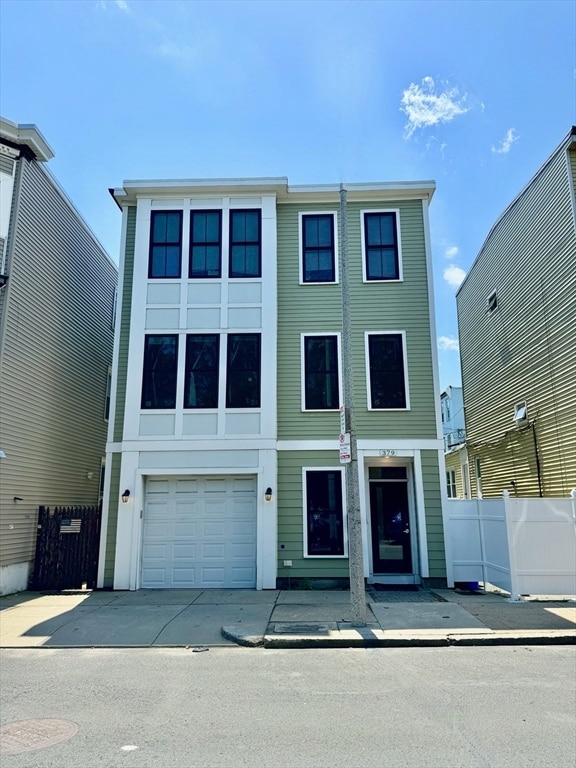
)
(524, 546)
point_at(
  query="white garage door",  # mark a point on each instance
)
(199, 532)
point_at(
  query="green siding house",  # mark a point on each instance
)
(228, 380)
(517, 326)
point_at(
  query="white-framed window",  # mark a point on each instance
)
(321, 371)
(520, 413)
(451, 483)
(478, 469)
(318, 238)
(325, 533)
(387, 370)
(381, 245)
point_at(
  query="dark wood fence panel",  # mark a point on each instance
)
(67, 548)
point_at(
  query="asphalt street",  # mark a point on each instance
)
(477, 707)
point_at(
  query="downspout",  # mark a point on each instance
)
(537, 455)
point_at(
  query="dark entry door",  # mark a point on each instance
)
(390, 523)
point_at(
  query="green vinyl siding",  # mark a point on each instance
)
(115, 465)
(433, 511)
(524, 350)
(125, 311)
(378, 307)
(291, 517)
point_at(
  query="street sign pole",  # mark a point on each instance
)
(348, 419)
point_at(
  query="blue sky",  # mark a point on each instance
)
(475, 95)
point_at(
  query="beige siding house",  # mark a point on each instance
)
(56, 336)
(517, 325)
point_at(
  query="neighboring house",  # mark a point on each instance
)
(223, 443)
(517, 327)
(56, 339)
(453, 428)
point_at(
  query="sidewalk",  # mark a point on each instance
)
(200, 619)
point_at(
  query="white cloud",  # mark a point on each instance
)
(506, 143)
(181, 53)
(448, 344)
(451, 252)
(122, 5)
(454, 275)
(425, 106)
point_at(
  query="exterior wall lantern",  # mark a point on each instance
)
(268, 494)
(125, 495)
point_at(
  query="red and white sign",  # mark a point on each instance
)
(345, 453)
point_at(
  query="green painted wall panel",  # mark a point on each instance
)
(125, 324)
(112, 519)
(375, 307)
(433, 509)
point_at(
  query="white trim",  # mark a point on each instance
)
(421, 514)
(303, 337)
(432, 320)
(400, 277)
(334, 215)
(306, 556)
(367, 334)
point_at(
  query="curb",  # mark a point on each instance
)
(250, 639)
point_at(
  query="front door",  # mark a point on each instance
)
(390, 520)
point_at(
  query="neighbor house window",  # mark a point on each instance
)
(321, 386)
(492, 301)
(381, 245)
(318, 250)
(245, 244)
(160, 367)
(108, 394)
(243, 370)
(324, 513)
(165, 244)
(205, 244)
(387, 378)
(201, 373)
(451, 484)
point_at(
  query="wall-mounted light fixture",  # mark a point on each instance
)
(268, 494)
(125, 495)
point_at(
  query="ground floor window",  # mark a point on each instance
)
(324, 513)
(451, 484)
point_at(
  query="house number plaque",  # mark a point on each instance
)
(387, 452)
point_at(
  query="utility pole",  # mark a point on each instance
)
(355, 556)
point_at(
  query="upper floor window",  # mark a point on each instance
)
(165, 244)
(451, 484)
(245, 243)
(321, 385)
(318, 248)
(381, 245)
(160, 370)
(205, 244)
(243, 370)
(201, 377)
(387, 376)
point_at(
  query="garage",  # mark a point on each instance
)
(199, 532)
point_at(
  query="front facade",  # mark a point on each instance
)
(57, 306)
(517, 327)
(223, 444)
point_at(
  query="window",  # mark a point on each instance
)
(205, 244)
(245, 244)
(201, 377)
(451, 484)
(243, 371)
(387, 378)
(165, 244)
(381, 246)
(492, 301)
(318, 251)
(478, 478)
(520, 414)
(160, 366)
(324, 516)
(321, 390)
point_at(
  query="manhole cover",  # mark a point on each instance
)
(301, 629)
(29, 735)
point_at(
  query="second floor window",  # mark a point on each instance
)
(381, 252)
(205, 244)
(165, 244)
(243, 370)
(387, 377)
(201, 378)
(321, 390)
(318, 260)
(245, 244)
(160, 370)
